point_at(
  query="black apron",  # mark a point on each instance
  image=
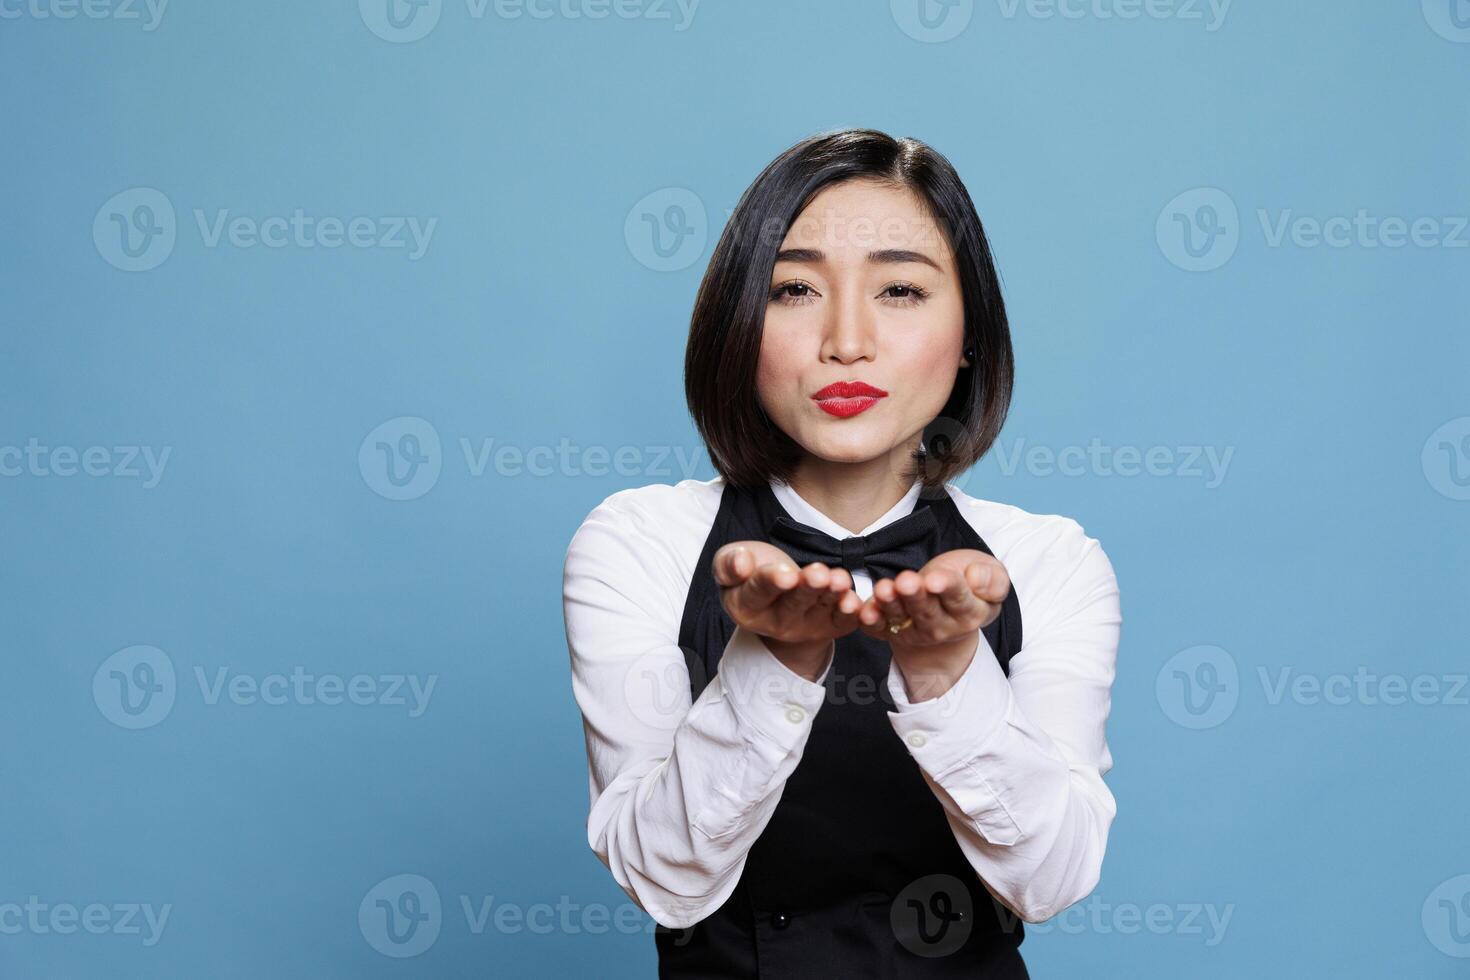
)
(858, 874)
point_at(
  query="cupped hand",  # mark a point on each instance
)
(796, 611)
(953, 596)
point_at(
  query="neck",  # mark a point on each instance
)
(854, 494)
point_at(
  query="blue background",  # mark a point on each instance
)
(1335, 540)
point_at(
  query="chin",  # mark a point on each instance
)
(849, 450)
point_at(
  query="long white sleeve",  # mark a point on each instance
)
(679, 792)
(1018, 763)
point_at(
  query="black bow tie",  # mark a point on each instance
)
(908, 542)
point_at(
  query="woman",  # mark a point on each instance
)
(842, 718)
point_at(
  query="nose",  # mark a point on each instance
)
(849, 330)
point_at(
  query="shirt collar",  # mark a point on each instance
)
(805, 513)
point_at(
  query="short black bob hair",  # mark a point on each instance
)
(745, 446)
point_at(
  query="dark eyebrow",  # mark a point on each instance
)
(902, 255)
(887, 255)
(799, 255)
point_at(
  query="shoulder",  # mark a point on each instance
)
(1008, 529)
(660, 512)
(658, 529)
(1052, 560)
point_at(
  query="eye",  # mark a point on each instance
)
(794, 293)
(904, 294)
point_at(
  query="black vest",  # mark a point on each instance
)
(858, 873)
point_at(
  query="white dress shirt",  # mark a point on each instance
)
(680, 791)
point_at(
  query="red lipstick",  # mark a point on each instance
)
(847, 398)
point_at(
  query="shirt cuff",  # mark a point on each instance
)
(946, 732)
(767, 695)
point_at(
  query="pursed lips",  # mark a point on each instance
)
(847, 398)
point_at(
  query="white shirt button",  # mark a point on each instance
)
(795, 714)
(917, 739)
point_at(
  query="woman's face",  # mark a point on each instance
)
(864, 290)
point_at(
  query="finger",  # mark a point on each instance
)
(919, 603)
(988, 580)
(877, 614)
(732, 565)
(885, 603)
(958, 598)
(842, 609)
(870, 619)
(845, 600)
(841, 581)
(768, 583)
(849, 604)
(811, 586)
(816, 576)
